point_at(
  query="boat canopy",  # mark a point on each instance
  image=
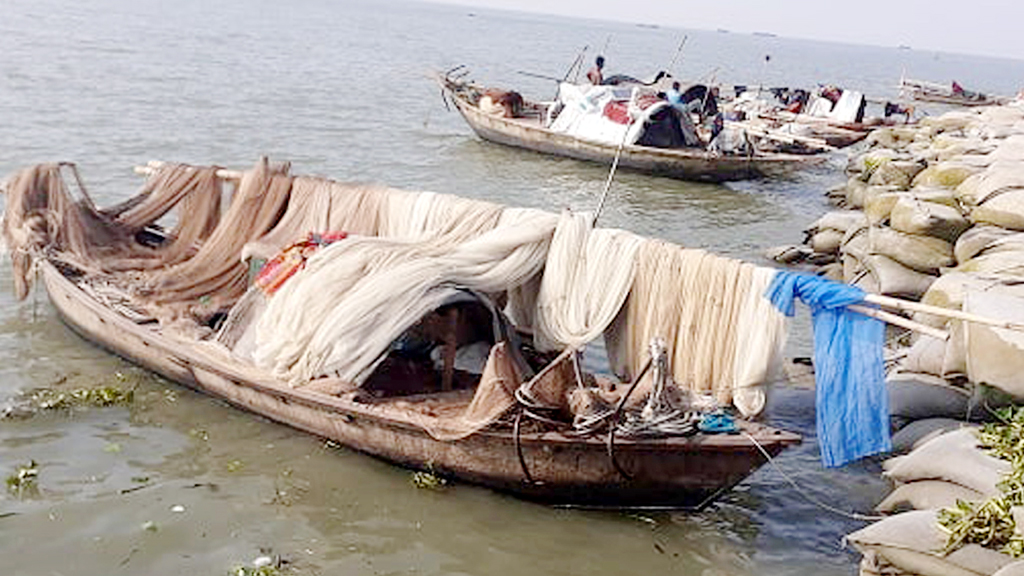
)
(618, 115)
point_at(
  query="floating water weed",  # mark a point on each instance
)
(24, 480)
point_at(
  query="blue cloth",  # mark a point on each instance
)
(851, 404)
(674, 97)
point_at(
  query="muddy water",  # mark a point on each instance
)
(179, 483)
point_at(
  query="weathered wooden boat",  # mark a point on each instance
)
(952, 94)
(642, 146)
(103, 271)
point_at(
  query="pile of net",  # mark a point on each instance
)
(355, 266)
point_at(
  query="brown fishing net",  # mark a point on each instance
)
(194, 272)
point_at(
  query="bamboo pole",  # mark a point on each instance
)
(153, 165)
(897, 320)
(908, 306)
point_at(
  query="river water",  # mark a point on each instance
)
(179, 483)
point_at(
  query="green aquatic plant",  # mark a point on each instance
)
(50, 399)
(991, 523)
(24, 480)
(428, 480)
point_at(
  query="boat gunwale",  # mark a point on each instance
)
(195, 354)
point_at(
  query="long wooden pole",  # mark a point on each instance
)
(153, 165)
(908, 306)
(897, 320)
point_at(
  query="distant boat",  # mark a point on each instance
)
(723, 31)
(904, 47)
(951, 93)
(765, 34)
(642, 25)
(592, 125)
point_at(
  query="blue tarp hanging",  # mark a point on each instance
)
(852, 408)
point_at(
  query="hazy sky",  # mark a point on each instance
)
(988, 27)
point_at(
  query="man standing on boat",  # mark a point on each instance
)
(595, 75)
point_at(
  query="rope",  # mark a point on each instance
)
(802, 492)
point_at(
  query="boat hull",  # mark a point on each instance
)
(679, 163)
(549, 467)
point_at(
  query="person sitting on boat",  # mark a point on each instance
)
(674, 96)
(595, 74)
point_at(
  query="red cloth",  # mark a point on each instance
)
(617, 112)
(287, 262)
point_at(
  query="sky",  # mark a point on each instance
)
(983, 27)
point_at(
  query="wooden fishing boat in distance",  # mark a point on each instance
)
(554, 465)
(527, 129)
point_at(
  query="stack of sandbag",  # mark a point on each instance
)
(912, 543)
(935, 212)
(941, 472)
(942, 468)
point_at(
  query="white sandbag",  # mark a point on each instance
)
(832, 271)
(978, 238)
(926, 495)
(913, 543)
(926, 355)
(1003, 263)
(953, 457)
(859, 193)
(826, 241)
(914, 216)
(947, 175)
(1004, 208)
(954, 364)
(892, 137)
(890, 278)
(922, 253)
(896, 173)
(1015, 569)
(916, 396)
(878, 208)
(949, 122)
(995, 356)
(841, 220)
(994, 181)
(916, 433)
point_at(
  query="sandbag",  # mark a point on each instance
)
(949, 122)
(916, 433)
(977, 239)
(841, 220)
(1015, 569)
(890, 278)
(914, 216)
(1003, 263)
(896, 173)
(926, 495)
(892, 137)
(859, 193)
(826, 241)
(943, 175)
(995, 356)
(1004, 208)
(878, 208)
(952, 457)
(915, 396)
(922, 253)
(913, 543)
(997, 180)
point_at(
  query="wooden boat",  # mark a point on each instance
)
(528, 128)
(542, 461)
(952, 94)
